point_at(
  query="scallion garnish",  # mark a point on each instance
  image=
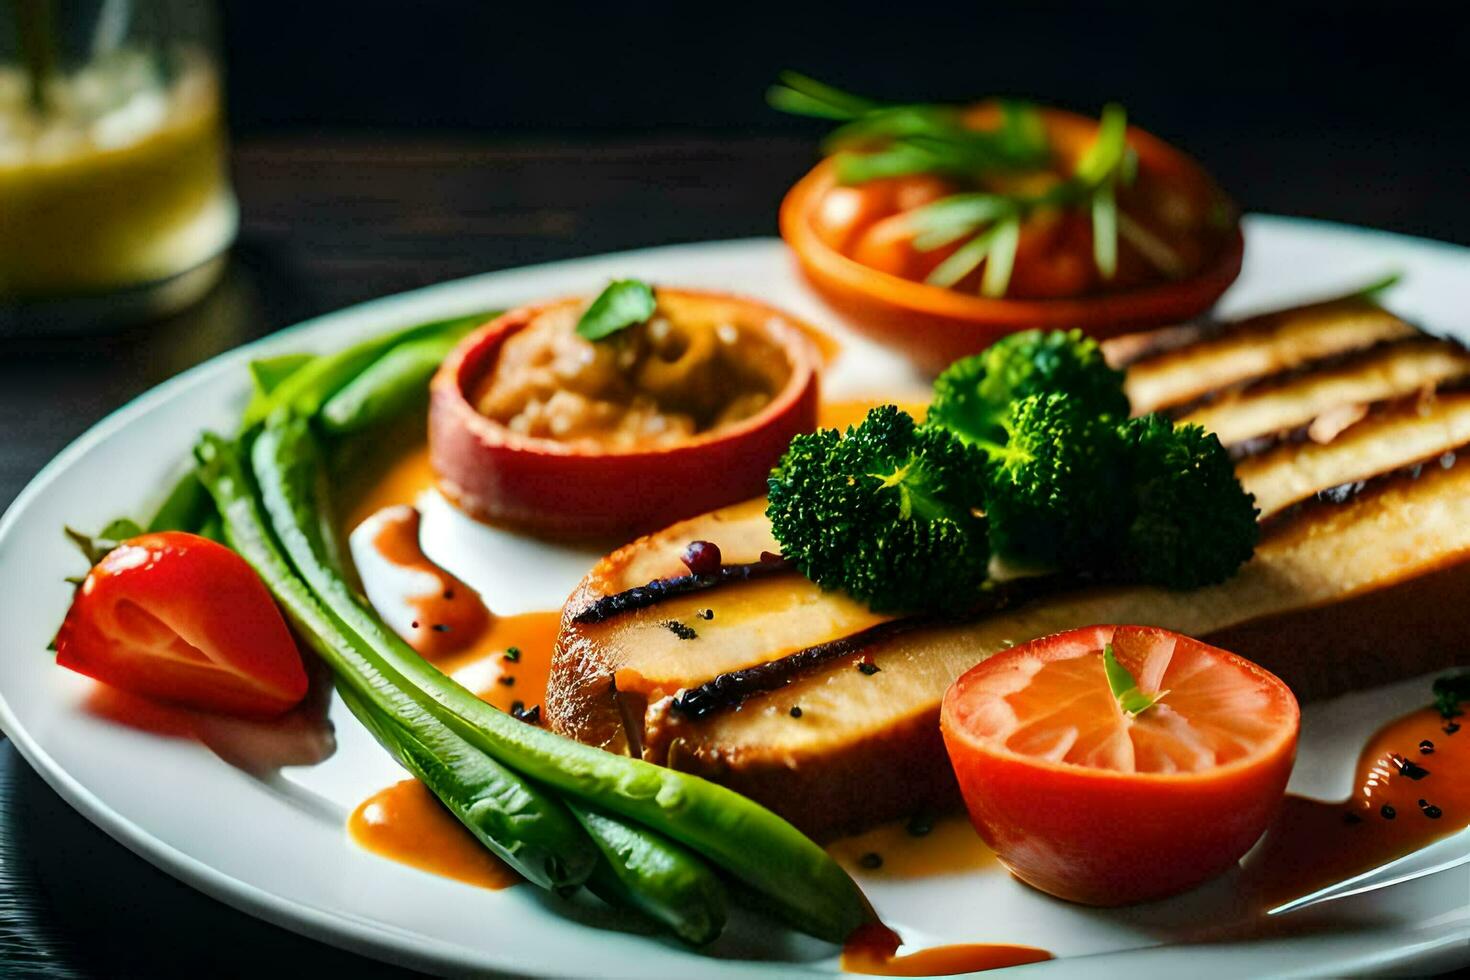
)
(879, 140)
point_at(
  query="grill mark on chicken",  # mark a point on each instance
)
(1284, 379)
(1181, 364)
(1346, 493)
(732, 688)
(729, 689)
(644, 596)
(1263, 444)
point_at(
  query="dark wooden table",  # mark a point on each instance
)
(331, 222)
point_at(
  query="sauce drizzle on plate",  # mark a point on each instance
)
(1411, 790)
(873, 949)
(405, 823)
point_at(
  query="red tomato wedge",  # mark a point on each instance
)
(1088, 802)
(178, 618)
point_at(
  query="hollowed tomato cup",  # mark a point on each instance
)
(563, 489)
(935, 326)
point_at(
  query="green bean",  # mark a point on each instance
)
(654, 876)
(391, 384)
(801, 880)
(186, 508)
(531, 830)
(464, 779)
(306, 389)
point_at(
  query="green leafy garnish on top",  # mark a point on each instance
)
(1033, 434)
(1124, 688)
(880, 140)
(624, 303)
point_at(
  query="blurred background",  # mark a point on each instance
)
(380, 145)
(1340, 111)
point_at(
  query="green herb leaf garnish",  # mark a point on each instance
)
(95, 547)
(624, 303)
(1125, 689)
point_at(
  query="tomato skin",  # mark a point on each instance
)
(1103, 837)
(845, 212)
(179, 618)
(934, 325)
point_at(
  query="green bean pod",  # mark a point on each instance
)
(523, 824)
(799, 879)
(307, 388)
(390, 385)
(654, 876)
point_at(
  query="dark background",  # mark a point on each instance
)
(1349, 111)
(381, 145)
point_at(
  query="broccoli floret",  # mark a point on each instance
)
(884, 512)
(1056, 496)
(973, 395)
(1192, 523)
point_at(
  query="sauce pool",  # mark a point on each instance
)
(504, 660)
(873, 949)
(1412, 788)
(405, 823)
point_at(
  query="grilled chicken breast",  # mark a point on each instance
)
(1346, 423)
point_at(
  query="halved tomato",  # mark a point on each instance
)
(176, 617)
(1097, 798)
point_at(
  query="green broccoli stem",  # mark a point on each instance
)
(915, 496)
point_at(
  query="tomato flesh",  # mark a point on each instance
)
(1092, 805)
(179, 618)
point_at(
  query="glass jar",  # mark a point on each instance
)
(114, 196)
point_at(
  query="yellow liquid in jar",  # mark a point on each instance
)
(91, 202)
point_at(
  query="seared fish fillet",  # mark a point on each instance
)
(827, 712)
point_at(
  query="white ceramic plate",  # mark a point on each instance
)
(276, 847)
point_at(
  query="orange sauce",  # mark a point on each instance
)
(873, 949)
(1408, 794)
(434, 611)
(950, 846)
(511, 661)
(841, 414)
(406, 479)
(407, 824)
(504, 660)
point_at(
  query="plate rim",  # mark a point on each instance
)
(343, 930)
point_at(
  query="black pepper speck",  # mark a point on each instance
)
(1351, 818)
(1430, 810)
(795, 711)
(1408, 767)
(440, 627)
(871, 860)
(507, 679)
(868, 667)
(1426, 747)
(682, 630)
(1387, 811)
